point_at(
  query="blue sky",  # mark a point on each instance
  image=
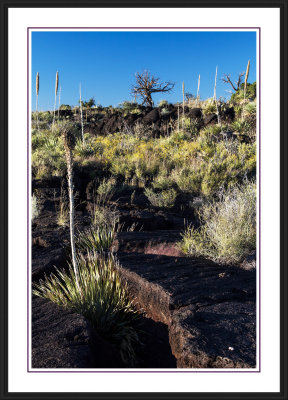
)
(106, 62)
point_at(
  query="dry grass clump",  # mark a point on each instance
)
(62, 207)
(228, 230)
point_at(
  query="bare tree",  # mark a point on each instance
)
(147, 84)
(235, 85)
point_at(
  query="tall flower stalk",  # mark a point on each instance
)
(215, 98)
(183, 93)
(81, 113)
(245, 87)
(246, 78)
(59, 103)
(69, 145)
(37, 94)
(56, 91)
(198, 88)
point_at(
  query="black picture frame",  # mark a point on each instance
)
(4, 132)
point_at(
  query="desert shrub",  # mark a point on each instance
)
(83, 149)
(106, 190)
(228, 230)
(164, 198)
(103, 215)
(212, 130)
(209, 107)
(148, 168)
(190, 125)
(164, 111)
(102, 298)
(206, 145)
(239, 94)
(65, 107)
(129, 107)
(62, 207)
(163, 182)
(228, 165)
(188, 179)
(46, 163)
(141, 130)
(46, 117)
(250, 109)
(163, 103)
(241, 126)
(122, 167)
(38, 138)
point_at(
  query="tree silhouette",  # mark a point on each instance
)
(147, 84)
(236, 85)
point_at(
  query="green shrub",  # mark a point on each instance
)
(228, 230)
(102, 299)
(83, 149)
(164, 111)
(241, 126)
(163, 103)
(164, 198)
(65, 107)
(239, 94)
(250, 109)
(188, 179)
(190, 125)
(106, 190)
(128, 106)
(46, 163)
(121, 167)
(163, 182)
(209, 107)
(102, 215)
(212, 130)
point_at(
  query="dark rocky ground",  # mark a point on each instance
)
(103, 122)
(197, 314)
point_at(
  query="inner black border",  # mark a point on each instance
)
(4, 8)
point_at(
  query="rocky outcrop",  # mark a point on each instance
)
(209, 308)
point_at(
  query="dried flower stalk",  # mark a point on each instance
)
(37, 94)
(56, 91)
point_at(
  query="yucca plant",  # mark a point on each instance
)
(102, 299)
(98, 238)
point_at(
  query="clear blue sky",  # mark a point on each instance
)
(105, 63)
